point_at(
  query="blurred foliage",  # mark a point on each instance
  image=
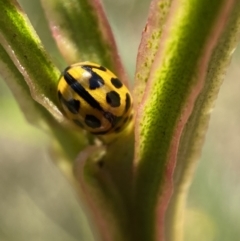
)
(37, 203)
(215, 189)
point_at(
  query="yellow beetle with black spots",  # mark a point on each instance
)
(94, 98)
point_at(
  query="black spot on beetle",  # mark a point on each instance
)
(81, 91)
(101, 68)
(116, 83)
(128, 102)
(72, 105)
(92, 121)
(59, 95)
(110, 117)
(113, 99)
(95, 81)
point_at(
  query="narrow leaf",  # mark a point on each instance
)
(192, 33)
(19, 88)
(107, 206)
(151, 37)
(20, 41)
(194, 131)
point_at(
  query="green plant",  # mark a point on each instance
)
(185, 49)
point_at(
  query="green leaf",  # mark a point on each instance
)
(20, 41)
(99, 189)
(19, 88)
(181, 74)
(149, 45)
(194, 131)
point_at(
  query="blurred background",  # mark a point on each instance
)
(37, 202)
